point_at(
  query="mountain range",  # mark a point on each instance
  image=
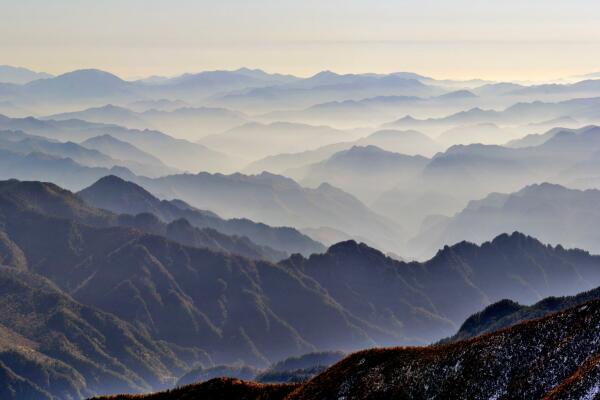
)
(375, 110)
(549, 212)
(367, 172)
(19, 75)
(254, 140)
(184, 122)
(278, 201)
(239, 224)
(122, 197)
(210, 307)
(520, 114)
(464, 173)
(177, 153)
(294, 164)
(98, 152)
(324, 87)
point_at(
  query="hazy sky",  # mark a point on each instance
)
(510, 39)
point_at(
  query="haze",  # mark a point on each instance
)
(204, 199)
(445, 39)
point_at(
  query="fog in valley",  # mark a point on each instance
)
(392, 160)
(261, 226)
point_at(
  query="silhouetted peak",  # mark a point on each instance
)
(459, 94)
(110, 180)
(89, 74)
(324, 74)
(492, 312)
(116, 184)
(353, 249)
(105, 137)
(408, 118)
(542, 188)
(514, 239)
(449, 251)
(343, 247)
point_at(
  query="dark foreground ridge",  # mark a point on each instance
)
(217, 389)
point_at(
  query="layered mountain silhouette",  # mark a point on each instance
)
(405, 142)
(325, 87)
(19, 75)
(254, 225)
(519, 114)
(367, 172)
(295, 164)
(62, 171)
(87, 86)
(506, 313)
(255, 140)
(186, 122)
(466, 172)
(177, 153)
(278, 201)
(224, 308)
(376, 110)
(286, 162)
(88, 154)
(549, 212)
(129, 155)
(122, 197)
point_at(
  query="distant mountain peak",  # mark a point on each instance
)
(20, 75)
(459, 94)
(343, 247)
(114, 184)
(325, 74)
(89, 73)
(542, 187)
(111, 179)
(512, 239)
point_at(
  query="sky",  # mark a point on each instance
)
(491, 39)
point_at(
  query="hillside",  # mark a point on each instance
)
(54, 347)
(507, 312)
(278, 201)
(48, 199)
(211, 307)
(552, 213)
(227, 305)
(122, 197)
(528, 361)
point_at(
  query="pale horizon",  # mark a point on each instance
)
(521, 78)
(542, 40)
